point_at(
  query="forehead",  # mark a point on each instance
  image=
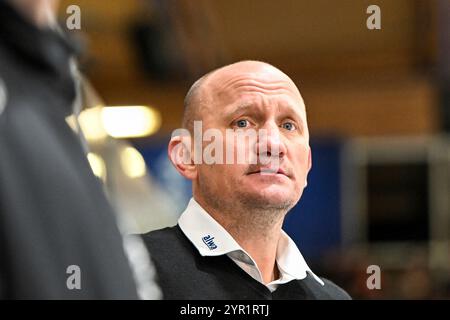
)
(232, 88)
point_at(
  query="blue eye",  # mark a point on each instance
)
(242, 123)
(288, 126)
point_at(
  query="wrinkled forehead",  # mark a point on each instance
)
(229, 85)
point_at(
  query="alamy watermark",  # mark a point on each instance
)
(373, 22)
(374, 280)
(232, 146)
(73, 21)
(73, 281)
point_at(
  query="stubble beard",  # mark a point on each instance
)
(245, 212)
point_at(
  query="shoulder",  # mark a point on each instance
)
(334, 291)
(312, 288)
(165, 234)
(166, 241)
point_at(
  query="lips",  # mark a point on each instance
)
(268, 170)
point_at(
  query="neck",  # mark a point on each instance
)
(261, 245)
(257, 231)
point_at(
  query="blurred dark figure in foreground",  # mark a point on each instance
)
(58, 234)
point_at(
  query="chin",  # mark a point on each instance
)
(269, 199)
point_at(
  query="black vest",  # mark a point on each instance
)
(184, 274)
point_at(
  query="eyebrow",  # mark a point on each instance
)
(239, 109)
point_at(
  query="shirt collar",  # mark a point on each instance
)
(211, 239)
(207, 235)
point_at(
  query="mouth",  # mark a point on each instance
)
(269, 171)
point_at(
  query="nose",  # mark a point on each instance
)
(270, 143)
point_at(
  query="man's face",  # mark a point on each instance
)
(256, 99)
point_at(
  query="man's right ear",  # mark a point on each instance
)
(179, 151)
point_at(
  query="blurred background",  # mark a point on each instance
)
(378, 104)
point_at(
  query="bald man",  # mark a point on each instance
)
(229, 242)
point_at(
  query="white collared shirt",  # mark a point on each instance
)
(211, 239)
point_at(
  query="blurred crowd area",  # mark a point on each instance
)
(412, 278)
(378, 105)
